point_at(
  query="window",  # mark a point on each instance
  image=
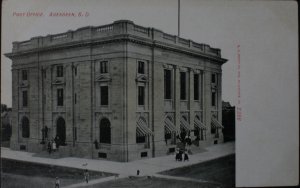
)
(75, 98)
(144, 154)
(104, 95)
(24, 75)
(168, 135)
(140, 139)
(182, 85)
(167, 81)
(196, 86)
(59, 71)
(60, 97)
(141, 67)
(213, 98)
(105, 132)
(25, 127)
(213, 130)
(25, 98)
(214, 78)
(141, 95)
(103, 67)
(102, 155)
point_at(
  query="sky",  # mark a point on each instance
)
(267, 33)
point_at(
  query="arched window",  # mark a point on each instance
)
(25, 127)
(61, 130)
(105, 132)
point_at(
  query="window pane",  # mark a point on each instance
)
(168, 85)
(24, 74)
(213, 78)
(141, 95)
(213, 98)
(182, 85)
(60, 97)
(140, 139)
(103, 67)
(141, 67)
(196, 87)
(104, 95)
(59, 71)
(25, 97)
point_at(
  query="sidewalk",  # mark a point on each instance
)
(149, 166)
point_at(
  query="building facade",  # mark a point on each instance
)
(118, 91)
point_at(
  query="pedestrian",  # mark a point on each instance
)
(177, 155)
(57, 141)
(86, 176)
(180, 155)
(53, 146)
(186, 157)
(49, 148)
(138, 172)
(57, 182)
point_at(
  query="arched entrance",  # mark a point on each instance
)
(105, 132)
(25, 127)
(61, 130)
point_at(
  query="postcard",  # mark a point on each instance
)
(137, 93)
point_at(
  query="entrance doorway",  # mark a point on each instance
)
(61, 130)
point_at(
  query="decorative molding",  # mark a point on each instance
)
(142, 78)
(183, 69)
(24, 84)
(102, 78)
(58, 82)
(168, 66)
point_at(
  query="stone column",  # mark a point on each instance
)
(177, 99)
(207, 102)
(191, 99)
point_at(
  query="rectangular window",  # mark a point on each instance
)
(59, 71)
(214, 78)
(60, 97)
(25, 99)
(75, 98)
(167, 81)
(144, 154)
(141, 95)
(213, 98)
(141, 67)
(140, 139)
(103, 67)
(182, 85)
(104, 95)
(24, 75)
(102, 155)
(196, 87)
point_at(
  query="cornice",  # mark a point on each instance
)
(114, 39)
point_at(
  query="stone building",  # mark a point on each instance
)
(118, 91)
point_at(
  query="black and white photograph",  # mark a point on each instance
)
(161, 93)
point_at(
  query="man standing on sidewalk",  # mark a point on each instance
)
(57, 182)
(86, 176)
